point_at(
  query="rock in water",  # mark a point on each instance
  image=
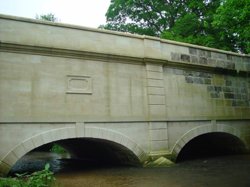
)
(160, 162)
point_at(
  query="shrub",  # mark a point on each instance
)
(57, 149)
(43, 178)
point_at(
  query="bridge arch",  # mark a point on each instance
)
(69, 133)
(211, 129)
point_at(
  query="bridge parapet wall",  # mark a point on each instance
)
(47, 37)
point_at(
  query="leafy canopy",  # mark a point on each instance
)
(202, 22)
(232, 20)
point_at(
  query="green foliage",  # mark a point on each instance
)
(41, 178)
(232, 20)
(147, 16)
(12, 182)
(44, 178)
(157, 16)
(220, 24)
(47, 17)
(57, 149)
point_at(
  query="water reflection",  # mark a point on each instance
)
(35, 161)
(226, 171)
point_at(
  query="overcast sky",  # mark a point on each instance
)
(90, 13)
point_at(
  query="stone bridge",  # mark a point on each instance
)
(134, 98)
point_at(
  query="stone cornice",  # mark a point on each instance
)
(66, 53)
(86, 55)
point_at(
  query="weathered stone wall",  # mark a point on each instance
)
(210, 58)
(200, 94)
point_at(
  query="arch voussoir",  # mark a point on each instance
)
(68, 133)
(200, 130)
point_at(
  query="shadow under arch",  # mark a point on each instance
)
(220, 135)
(69, 133)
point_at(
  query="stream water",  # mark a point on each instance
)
(224, 171)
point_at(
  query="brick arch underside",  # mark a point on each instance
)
(204, 129)
(68, 133)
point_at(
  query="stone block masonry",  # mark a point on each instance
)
(212, 59)
(156, 93)
(224, 90)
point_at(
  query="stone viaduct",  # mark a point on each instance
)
(137, 97)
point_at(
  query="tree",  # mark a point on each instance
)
(154, 17)
(47, 17)
(143, 16)
(195, 25)
(232, 20)
(192, 21)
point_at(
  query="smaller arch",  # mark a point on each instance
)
(68, 133)
(205, 129)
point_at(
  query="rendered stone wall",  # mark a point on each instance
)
(42, 88)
